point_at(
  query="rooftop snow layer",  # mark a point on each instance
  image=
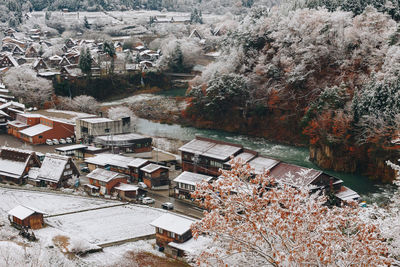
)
(104, 175)
(35, 130)
(261, 164)
(152, 168)
(173, 223)
(138, 162)
(22, 212)
(52, 167)
(191, 178)
(109, 159)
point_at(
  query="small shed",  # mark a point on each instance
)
(128, 192)
(22, 216)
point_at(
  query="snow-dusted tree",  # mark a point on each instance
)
(85, 61)
(24, 84)
(86, 103)
(256, 222)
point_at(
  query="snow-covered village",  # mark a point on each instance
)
(199, 133)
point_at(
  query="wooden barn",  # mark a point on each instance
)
(22, 216)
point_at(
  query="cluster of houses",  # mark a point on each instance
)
(29, 48)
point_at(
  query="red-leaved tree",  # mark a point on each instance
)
(257, 222)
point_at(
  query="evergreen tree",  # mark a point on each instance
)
(85, 61)
(196, 17)
(109, 49)
(176, 63)
(86, 23)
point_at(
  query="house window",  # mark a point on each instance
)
(214, 163)
(171, 234)
(107, 130)
(160, 231)
(40, 137)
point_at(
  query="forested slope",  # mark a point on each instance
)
(311, 76)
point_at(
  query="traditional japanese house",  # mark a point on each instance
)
(207, 156)
(55, 171)
(16, 163)
(186, 183)
(18, 51)
(39, 64)
(31, 52)
(106, 180)
(22, 216)
(8, 61)
(156, 176)
(172, 228)
(135, 166)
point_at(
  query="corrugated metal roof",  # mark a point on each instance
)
(262, 164)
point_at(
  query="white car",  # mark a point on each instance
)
(148, 200)
(68, 140)
(49, 142)
(55, 142)
(167, 206)
(142, 185)
(62, 141)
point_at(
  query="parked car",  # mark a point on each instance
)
(62, 141)
(49, 142)
(85, 169)
(68, 140)
(142, 185)
(148, 200)
(167, 206)
(55, 141)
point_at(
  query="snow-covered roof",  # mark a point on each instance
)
(192, 246)
(2, 113)
(262, 164)
(210, 149)
(96, 120)
(191, 178)
(121, 137)
(242, 157)
(12, 167)
(173, 223)
(137, 163)
(126, 187)
(71, 147)
(104, 175)
(17, 124)
(12, 103)
(346, 194)
(293, 175)
(55, 58)
(22, 212)
(33, 173)
(35, 130)
(13, 61)
(109, 159)
(152, 168)
(52, 167)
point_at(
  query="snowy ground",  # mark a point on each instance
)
(132, 100)
(108, 225)
(50, 203)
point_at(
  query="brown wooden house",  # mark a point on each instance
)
(31, 52)
(172, 228)
(135, 166)
(22, 216)
(39, 64)
(106, 180)
(156, 176)
(207, 156)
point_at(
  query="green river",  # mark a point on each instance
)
(368, 189)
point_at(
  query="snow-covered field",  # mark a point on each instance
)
(132, 100)
(109, 224)
(49, 203)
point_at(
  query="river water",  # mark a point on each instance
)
(368, 189)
